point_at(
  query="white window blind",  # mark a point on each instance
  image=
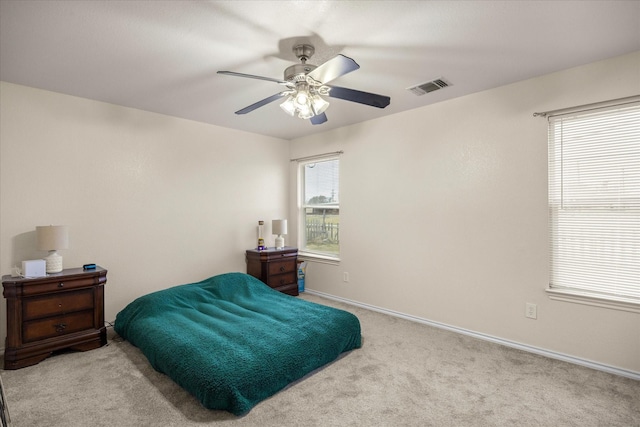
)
(594, 202)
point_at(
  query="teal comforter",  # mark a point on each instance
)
(232, 341)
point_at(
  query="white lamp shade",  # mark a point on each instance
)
(52, 237)
(279, 226)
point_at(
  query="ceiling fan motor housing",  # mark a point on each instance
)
(297, 72)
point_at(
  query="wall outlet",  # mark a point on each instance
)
(531, 311)
(345, 277)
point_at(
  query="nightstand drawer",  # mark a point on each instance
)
(57, 285)
(281, 267)
(55, 326)
(282, 279)
(55, 304)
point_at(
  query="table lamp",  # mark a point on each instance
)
(279, 227)
(52, 238)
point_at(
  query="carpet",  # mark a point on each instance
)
(405, 374)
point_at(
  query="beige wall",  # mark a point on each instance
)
(444, 215)
(156, 200)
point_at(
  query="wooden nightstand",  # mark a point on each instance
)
(278, 268)
(59, 311)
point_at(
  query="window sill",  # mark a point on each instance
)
(323, 259)
(582, 297)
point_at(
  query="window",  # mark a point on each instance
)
(319, 233)
(594, 206)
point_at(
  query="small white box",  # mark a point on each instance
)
(34, 268)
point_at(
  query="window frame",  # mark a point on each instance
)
(303, 251)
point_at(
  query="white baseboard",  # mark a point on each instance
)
(547, 353)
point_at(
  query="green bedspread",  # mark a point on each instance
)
(232, 341)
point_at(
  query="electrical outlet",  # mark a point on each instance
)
(345, 277)
(531, 311)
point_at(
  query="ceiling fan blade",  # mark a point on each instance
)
(319, 119)
(353, 95)
(333, 68)
(259, 104)
(251, 76)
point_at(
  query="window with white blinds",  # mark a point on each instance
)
(594, 203)
(319, 183)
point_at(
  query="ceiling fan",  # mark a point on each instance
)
(306, 84)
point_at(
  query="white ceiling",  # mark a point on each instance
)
(162, 56)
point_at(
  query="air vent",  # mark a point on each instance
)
(427, 87)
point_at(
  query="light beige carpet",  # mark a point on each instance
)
(406, 374)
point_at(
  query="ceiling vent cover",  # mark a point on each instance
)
(427, 87)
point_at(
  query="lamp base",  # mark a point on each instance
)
(279, 242)
(54, 262)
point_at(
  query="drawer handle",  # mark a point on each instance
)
(282, 268)
(282, 281)
(61, 285)
(60, 327)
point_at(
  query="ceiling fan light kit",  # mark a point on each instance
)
(305, 100)
(307, 84)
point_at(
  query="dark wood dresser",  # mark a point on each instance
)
(278, 268)
(62, 310)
